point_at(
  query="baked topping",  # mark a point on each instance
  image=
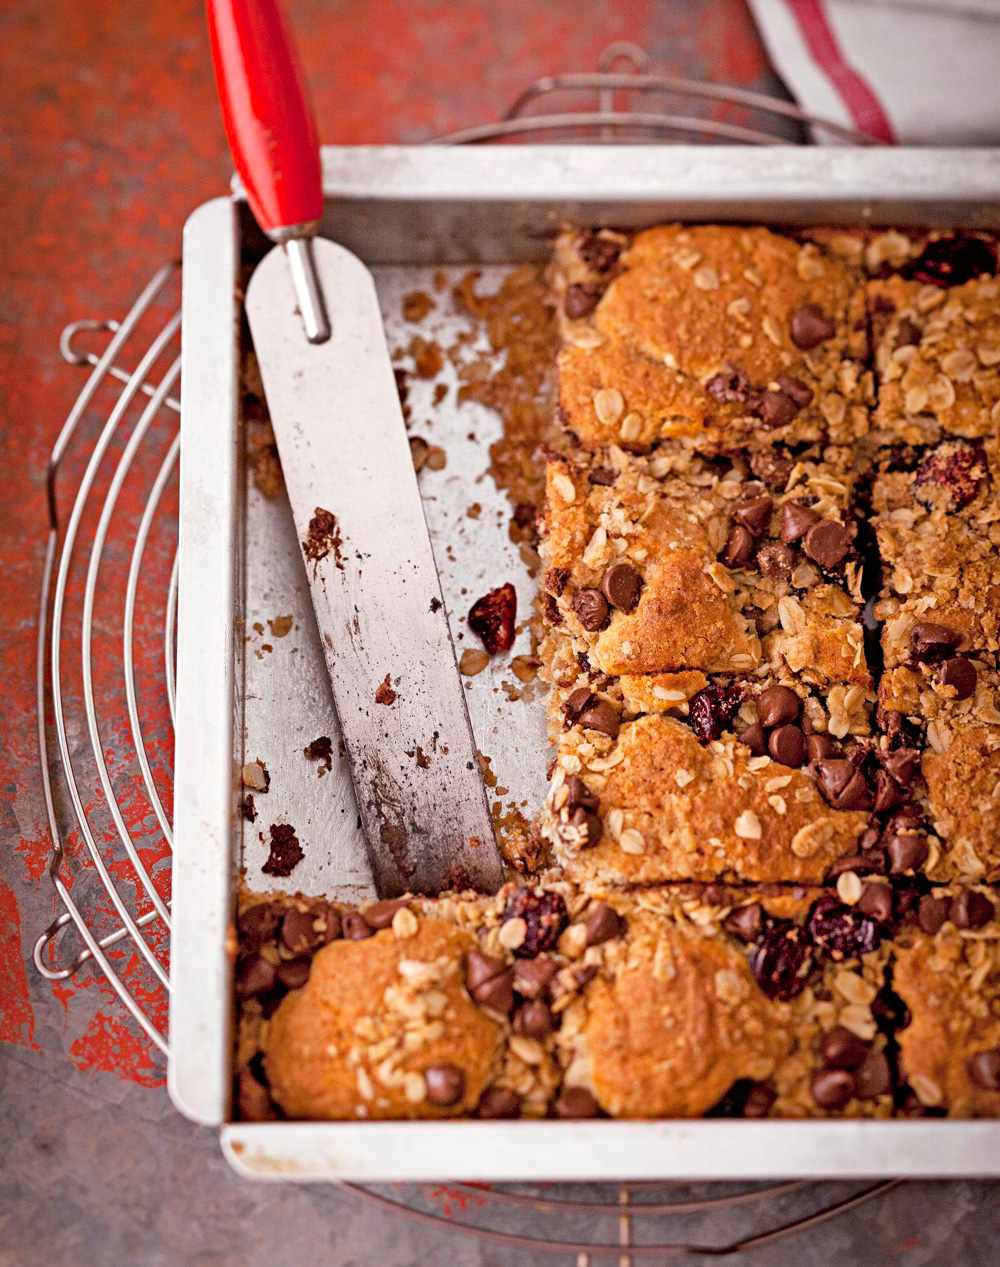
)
(704, 640)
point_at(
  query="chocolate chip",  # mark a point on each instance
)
(782, 960)
(841, 1049)
(356, 927)
(777, 409)
(932, 913)
(602, 923)
(738, 550)
(544, 915)
(576, 702)
(983, 1068)
(842, 785)
(960, 674)
(603, 716)
(832, 1088)
(775, 559)
(820, 747)
(970, 909)
(754, 515)
(827, 543)
(797, 391)
(255, 976)
(299, 933)
(903, 764)
(777, 705)
(294, 973)
(329, 921)
(258, 924)
(755, 739)
(868, 862)
(745, 922)
(796, 520)
(534, 1019)
(499, 1103)
(489, 981)
(810, 326)
(876, 901)
(906, 853)
(591, 609)
(580, 299)
(589, 825)
(532, 977)
(381, 914)
(712, 709)
(887, 793)
(578, 795)
(445, 1085)
(933, 642)
(622, 586)
(577, 1102)
(873, 1078)
(787, 746)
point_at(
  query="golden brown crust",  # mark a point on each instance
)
(679, 1022)
(374, 1016)
(668, 517)
(676, 1018)
(674, 809)
(688, 302)
(684, 617)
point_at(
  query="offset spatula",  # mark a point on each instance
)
(318, 334)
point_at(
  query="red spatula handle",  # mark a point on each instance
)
(270, 125)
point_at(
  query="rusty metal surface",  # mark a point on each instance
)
(109, 129)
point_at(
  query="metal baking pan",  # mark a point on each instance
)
(244, 693)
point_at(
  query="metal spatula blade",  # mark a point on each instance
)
(375, 588)
(332, 394)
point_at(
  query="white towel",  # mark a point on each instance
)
(911, 72)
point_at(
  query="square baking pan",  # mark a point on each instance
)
(251, 684)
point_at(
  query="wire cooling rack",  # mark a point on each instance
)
(105, 692)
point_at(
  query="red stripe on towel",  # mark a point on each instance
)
(856, 93)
